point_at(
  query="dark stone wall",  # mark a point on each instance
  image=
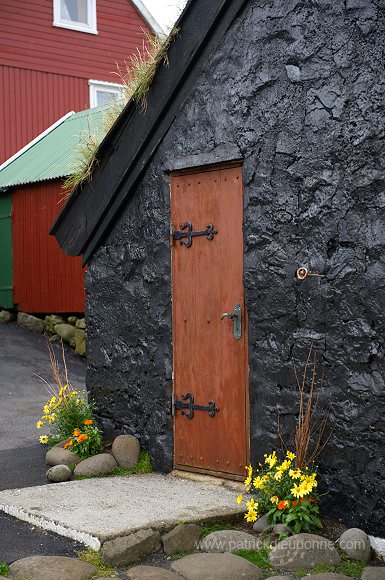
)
(297, 87)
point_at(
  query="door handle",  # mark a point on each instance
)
(236, 317)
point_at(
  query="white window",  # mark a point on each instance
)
(102, 92)
(75, 14)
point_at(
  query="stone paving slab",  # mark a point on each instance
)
(94, 510)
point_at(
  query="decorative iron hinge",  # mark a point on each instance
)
(187, 402)
(209, 232)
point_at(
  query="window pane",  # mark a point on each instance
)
(104, 97)
(74, 10)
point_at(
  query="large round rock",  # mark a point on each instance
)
(151, 573)
(262, 525)
(100, 464)
(230, 541)
(356, 544)
(216, 567)
(373, 573)
(326, 576)
(51, 568)
(60, 456)
(59, 473)
(304, 551)
(125, 449)
(183, 538)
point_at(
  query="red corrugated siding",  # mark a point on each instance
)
(30, 101)
(29, 40)
(45, 279)
(44, 70)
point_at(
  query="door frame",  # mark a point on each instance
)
(221, 474)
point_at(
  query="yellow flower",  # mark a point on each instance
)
(284, 465)
(43, 439)
(240, 498)
(46, 409)
(39, 424)
(251, 516)
(271, 460)
(251, 505)
(304, 488)
(278, 475)
(290, 455)
(247, 481)
(295, 473)
(274, 499)
(258, 483)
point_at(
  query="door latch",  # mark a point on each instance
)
(236, 317)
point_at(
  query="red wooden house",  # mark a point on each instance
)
(60, 55)
(42, 278)
(56, 56)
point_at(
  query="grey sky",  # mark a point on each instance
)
(165, 11)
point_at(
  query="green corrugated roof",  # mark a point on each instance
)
(53, 154)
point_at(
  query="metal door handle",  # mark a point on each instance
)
(236, 317)
(230, 315)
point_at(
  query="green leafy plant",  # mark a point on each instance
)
(86, 441)
(4, 569)
(287, 493)
(68, 410)
(287, 490)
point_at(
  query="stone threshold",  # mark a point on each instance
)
(92, 511)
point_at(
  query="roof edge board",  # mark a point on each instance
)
(34, 141)
(148, 17)
(226, 13)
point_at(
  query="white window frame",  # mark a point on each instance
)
(104, 86)
(79, 26)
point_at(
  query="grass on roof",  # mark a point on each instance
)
(136, 80)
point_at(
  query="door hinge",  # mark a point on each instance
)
(173, 405)
(187, 406)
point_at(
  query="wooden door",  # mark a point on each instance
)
(6, 276)
(209, 361)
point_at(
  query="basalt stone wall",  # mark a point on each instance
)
(297, 88)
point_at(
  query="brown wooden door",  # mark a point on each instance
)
(209, 362)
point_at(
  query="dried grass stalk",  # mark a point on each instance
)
(311, 428)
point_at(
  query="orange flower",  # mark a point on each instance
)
(76, 433)
(68, 444)
(294, 503)
(282, 505)
(88, 422)
(82, 437)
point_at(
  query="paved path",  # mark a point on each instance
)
(23, 356)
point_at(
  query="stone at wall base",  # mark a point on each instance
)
(30, 322)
